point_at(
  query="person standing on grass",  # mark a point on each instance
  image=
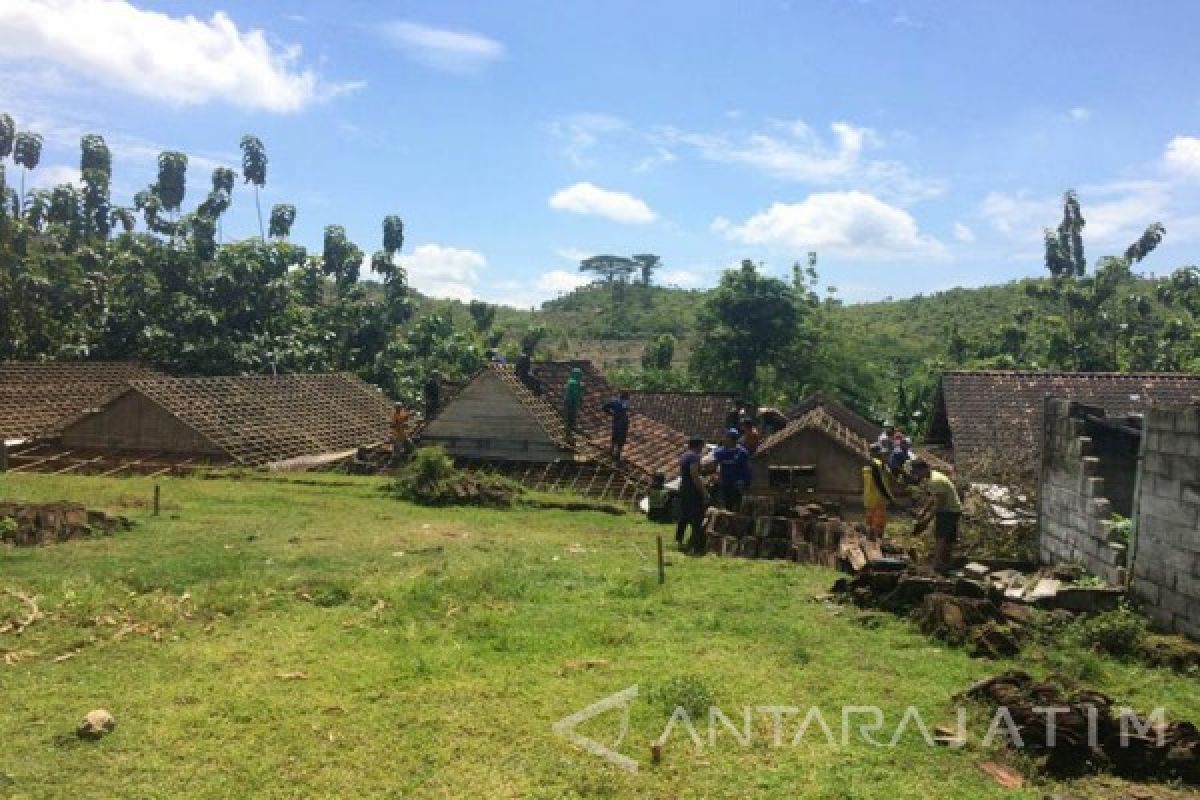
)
(618, 409)
(877, 492)
(943, 507)
(733, 465)
(573, 399)
(692, 496)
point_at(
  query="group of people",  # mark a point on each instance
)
(895, 472)
(734, 473)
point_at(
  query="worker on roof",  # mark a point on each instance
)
(878, 492)
(525, 374)
(573, 399)
(733, 466)
(943, 507)
(618, 409)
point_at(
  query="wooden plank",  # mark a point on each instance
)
(35, 462)
(77, 465)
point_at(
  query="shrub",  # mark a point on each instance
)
(688, 692)
(1118, 633)
(431, 479)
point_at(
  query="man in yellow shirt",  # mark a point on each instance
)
(943, 508)
(877, 493)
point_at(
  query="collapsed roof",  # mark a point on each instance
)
(254, 419)
(35, 398)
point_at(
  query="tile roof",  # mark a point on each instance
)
(650, 446)
(693, 413)
(36, 397)
(851, 419)
(260, 419)
(985, 412)
(821, 419)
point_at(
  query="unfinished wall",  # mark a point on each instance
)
(1075, 510)
(1166, 563)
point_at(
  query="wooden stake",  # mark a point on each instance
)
(3, 456)
(662, 572)
(156, 498)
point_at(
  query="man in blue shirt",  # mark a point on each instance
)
(692, 497)
(733, 464)
(618, 409)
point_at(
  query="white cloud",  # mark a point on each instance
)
(1182, 156)
(679, 277)
(559, 280)
(442, 49)
(441, 271)
(853, 224)
(587, 198)
(1080, 114)
(177, 60)
(1115, 213)
(48, 176)
(580, 133)
(963, 233)
(794, 151)
(660, 158)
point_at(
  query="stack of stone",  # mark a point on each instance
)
(32, 524)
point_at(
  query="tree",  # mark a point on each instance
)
(1093, 323)
(659, 353)
(483, 314)
(254, 171)
(172, 179)
(393, 235)
(747, 321)
(283, 216)
(616, 271)
(27, 151)
(647, 264)
(340, 257)
(8, 132)
(95, 167)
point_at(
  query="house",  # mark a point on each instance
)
(823, 448)
(37, 397)
(990, 423)
(252, 420)
(693, 413)
(493, 417)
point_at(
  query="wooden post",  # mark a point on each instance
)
(662, 573)
(3, 456)
(157, 492)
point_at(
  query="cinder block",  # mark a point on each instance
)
(1187, 421)
(1171, 511)
(1147, 592)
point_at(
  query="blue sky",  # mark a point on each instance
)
(914, 145)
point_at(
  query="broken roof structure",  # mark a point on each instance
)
(495, 417)
(694, 413)
(981, 418)
(251, 420)
(35, 398)
(651, 445)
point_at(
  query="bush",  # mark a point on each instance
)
(1118, 633)
(688, 692)
(431, 479)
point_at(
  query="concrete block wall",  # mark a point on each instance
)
(1075, 513)
(1166, 564)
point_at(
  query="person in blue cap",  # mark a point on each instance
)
(733, 465)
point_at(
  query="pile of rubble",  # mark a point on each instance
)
(32, 524)
(1090, 732)
(772, 527)
(986, 607)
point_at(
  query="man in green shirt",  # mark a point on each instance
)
(573, 399)
(943, 508)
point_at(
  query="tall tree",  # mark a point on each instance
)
(172, 179)
(647, 264)
(747, 321)
(616, 271)
(659, 353)
(283, 216)
(482, 314)
(8, 132)
(254, 171)
(95, 167)
(27, 151)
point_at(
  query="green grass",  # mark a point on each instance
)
(435, 645)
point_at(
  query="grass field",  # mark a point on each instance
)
(264, 638)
